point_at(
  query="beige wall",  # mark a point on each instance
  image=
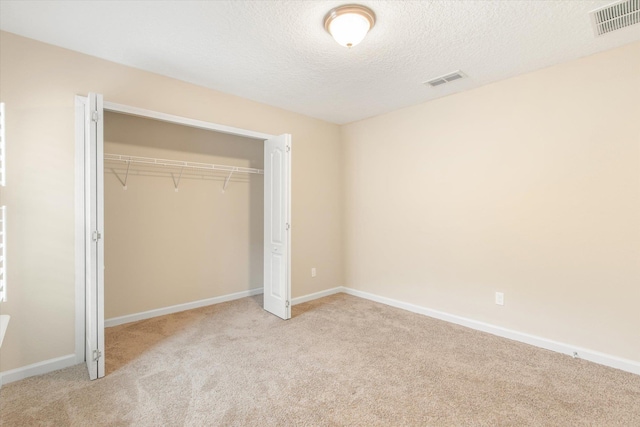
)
(38, 83)
(164, 247)
(529, 186)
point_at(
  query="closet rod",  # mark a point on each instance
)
(179, 164)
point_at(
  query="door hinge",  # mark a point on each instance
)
(96, 236)
(287, 226)
(97, 354)
(287, 305)
(288, 148)
(95, 117)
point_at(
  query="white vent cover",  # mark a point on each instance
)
(615, 16)
(447, 78)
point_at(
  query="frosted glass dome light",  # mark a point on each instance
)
(349, 24)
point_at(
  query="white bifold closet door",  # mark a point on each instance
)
(277, 220)
(277, 235)
(94, 242)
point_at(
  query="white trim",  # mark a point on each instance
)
(316, 295)
(80, 103)
(39, 368)
(289, 188)
(582, 353)
(141, 112)
(115, 321)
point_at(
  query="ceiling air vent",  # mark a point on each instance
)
(615, 16)
(447, 78)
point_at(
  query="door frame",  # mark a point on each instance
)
(80, 217)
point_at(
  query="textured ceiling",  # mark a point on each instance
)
(278, 53)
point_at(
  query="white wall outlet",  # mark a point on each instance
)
(499, 298)
(313, 272)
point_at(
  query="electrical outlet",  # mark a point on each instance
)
(313, 272)
(499, 298)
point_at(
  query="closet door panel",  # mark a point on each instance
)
(94, 243)
(277, 277)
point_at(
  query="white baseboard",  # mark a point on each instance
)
(39, 368)
(582, 353)
(316, 295)
(115, 321)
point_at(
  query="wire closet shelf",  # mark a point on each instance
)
(178, 164)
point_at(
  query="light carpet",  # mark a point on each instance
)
(340, 360)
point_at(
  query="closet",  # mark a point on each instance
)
(183, 212)
(175, 213)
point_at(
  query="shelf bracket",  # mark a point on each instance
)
(226, 181)
(176, 183)
(126, 176)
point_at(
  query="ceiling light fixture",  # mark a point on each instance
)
(349, 24)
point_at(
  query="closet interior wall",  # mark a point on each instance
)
(165, 247)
